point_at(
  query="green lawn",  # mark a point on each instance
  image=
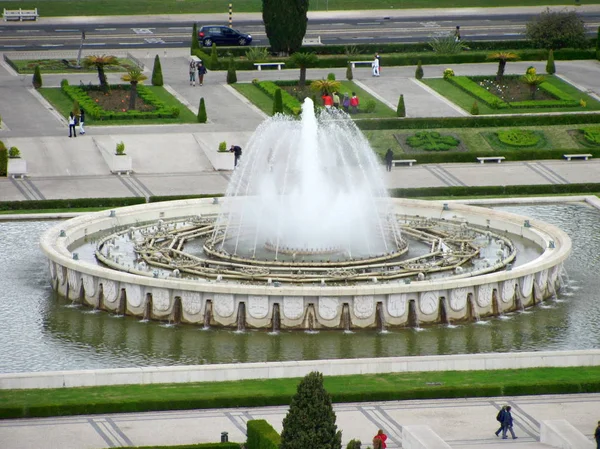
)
(27, 66)
(48, 8)
(465, 101)
(65, 401)
(63, 104)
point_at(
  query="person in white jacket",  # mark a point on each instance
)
(375, 66)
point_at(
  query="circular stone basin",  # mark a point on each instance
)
(164, 261)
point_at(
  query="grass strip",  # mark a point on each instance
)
(255, 393)
(54, 8)
(47, 66)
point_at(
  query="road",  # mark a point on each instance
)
(354, 30)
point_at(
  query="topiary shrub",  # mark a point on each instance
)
(64, 83)
(331, 76)
(475, 108)
(349, 74)
(120, 148)
(448, 73)
(432, 141)
(195, 44)
(37, 77)
(277, 102)
(214, 57)
(3, 159)
(530, 70)
(401, 109)
(518, 137)
(261, 435)
(222, 147)
(369, 106)
(202, 118)
(419, 71)
(550, 67)
(353, 444)
(231, 75)
(14, 152)
(157, 76)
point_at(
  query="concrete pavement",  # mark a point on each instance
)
(462, 423)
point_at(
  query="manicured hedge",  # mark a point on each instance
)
(3, 159)
(536, 189)
(481, 121)
(290, 104)
(195, 446)
(76, 203)
(261, 435)
(466, 84)
(92, 109)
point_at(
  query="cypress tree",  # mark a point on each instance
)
(231, 75)
(157, 77)
(76, 109)
(285, 24)
(310, 422)
(419, 71)
(475, 108)
(349, 74)
(195, 43)
(401, 109)
(550, 67)
(214, 57)
(598, 44)
(37, 77)
(202, 112)
(278, 102)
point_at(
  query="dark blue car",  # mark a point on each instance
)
(222, 35)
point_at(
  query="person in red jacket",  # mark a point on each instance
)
(327, 100)
(354, 102)
(381, 437)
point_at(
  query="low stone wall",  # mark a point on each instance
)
(297, 369)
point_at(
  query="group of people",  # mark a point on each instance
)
(197, 67)
(348, 103)
(75, 120)
(504, 417)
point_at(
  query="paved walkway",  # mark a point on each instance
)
(462, 423)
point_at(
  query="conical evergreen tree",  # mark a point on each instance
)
(401, 109)
(195, 43)
(310, 422)
(202, 112)
(278, 103)
(231, 75)
(76, 110)
(157, 77)
(550, 67)
(37, 77)
(419, 71)
(349, 74)
(214, 57)
(475, 108)
(598, 44)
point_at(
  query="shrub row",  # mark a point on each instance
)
(76, 203)
(80, 94)
(196, 446)
(477, 121)
(290, 104)
(261, 435)
(556, 92)
(537, 189)
(469, 86)
(3, 159)
(11, 63)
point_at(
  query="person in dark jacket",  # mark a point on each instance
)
(499, 418)
(389, 157)
(201, 72)
(507, 423)
(597, 436)
(237, 153)
(72, 132)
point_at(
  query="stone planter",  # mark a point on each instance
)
(121, 163)
(17, 167)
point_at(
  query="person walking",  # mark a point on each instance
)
(597, 436)
(81, 120)
(389, 157)
(336, 100)
(192, 70)
(201, 72)
(499, 418)
(375, 66)
(381, 437)
(72, 132)
(346, 102)
(507, 423)
(378, 59)
(354, 102)
(457, 34)
(237, 154)
(327, 100)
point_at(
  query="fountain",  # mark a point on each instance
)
(307, 225)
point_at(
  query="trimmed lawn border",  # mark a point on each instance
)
(256, 393)
(63, 104)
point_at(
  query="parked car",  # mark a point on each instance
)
(222, 35)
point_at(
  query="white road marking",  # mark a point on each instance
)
(51, 45)
(66, 30)
(94, 43)
(13, 46)
(179, 28)
(105, 29)
(28, 31)
(131, 43)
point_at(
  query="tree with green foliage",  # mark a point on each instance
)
(550, 66)
(195, 43)
(134, 76)
(419, 71)
(303, 61)
(37, 77)
(401, 109)
(157, 76)
(349, 74)
(100, 62)
(278, 103)
(475, 108)
(231, 74)
(202, 118)
(3, 159)
(557, 29)
(502, 57)
(285, 24)
(214, 57)
(533, 81)
(310, 421)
